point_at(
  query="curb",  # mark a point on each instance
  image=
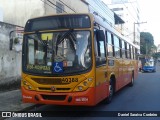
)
(12, 85)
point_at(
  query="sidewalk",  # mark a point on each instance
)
(11, 101)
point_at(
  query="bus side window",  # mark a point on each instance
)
(123, 49)
(116, 46)
(133, 52)
(100, 50)
(128, 51)
(125, 44)
(131, 48)
(120, 45)
(109, 44)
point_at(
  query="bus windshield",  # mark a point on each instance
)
(57, 52)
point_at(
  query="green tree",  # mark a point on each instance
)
(146, 43)
(156, 55)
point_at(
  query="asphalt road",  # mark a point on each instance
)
(144, 96)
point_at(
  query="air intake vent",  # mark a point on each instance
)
(41, 88)
(50, 81)
(54, 97)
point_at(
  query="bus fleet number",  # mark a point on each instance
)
(69, 80)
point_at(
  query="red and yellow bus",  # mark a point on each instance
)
(74, 59)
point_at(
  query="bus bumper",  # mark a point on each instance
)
(85, 98)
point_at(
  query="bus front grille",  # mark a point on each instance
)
(54, 97)
(57, 89)
(49, 81)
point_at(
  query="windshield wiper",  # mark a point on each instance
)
(61, 39)
(41, 41)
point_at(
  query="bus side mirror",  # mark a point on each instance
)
(11, 44)
(100, 35)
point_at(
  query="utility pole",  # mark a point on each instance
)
(146, 48)
(134, 33)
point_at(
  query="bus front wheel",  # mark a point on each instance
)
(111, 92)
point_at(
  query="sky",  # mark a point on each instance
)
(150, 13)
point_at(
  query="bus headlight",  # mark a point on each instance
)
(89, 79)
(80, 88)
(27, 85)
(24, 82)
(84, 85)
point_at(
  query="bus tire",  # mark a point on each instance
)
(111, 93)
(132, 81)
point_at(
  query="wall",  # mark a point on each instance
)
(10, 61)
(19, 11)
(1, 14)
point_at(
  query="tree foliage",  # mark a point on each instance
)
(146, 42)
(156, 55)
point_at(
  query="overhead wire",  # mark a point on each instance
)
(59, 8)
(129, 10)
(47, 3)
(67, 6)
(136, 11)
(133, 7)
(56, 6)
(50, 5)
(103, 9)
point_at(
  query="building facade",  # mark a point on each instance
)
(19, 11)
(1, 14)
(158, 48)
(128, 10)
(10, 67)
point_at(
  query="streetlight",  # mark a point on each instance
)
(134, 35)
